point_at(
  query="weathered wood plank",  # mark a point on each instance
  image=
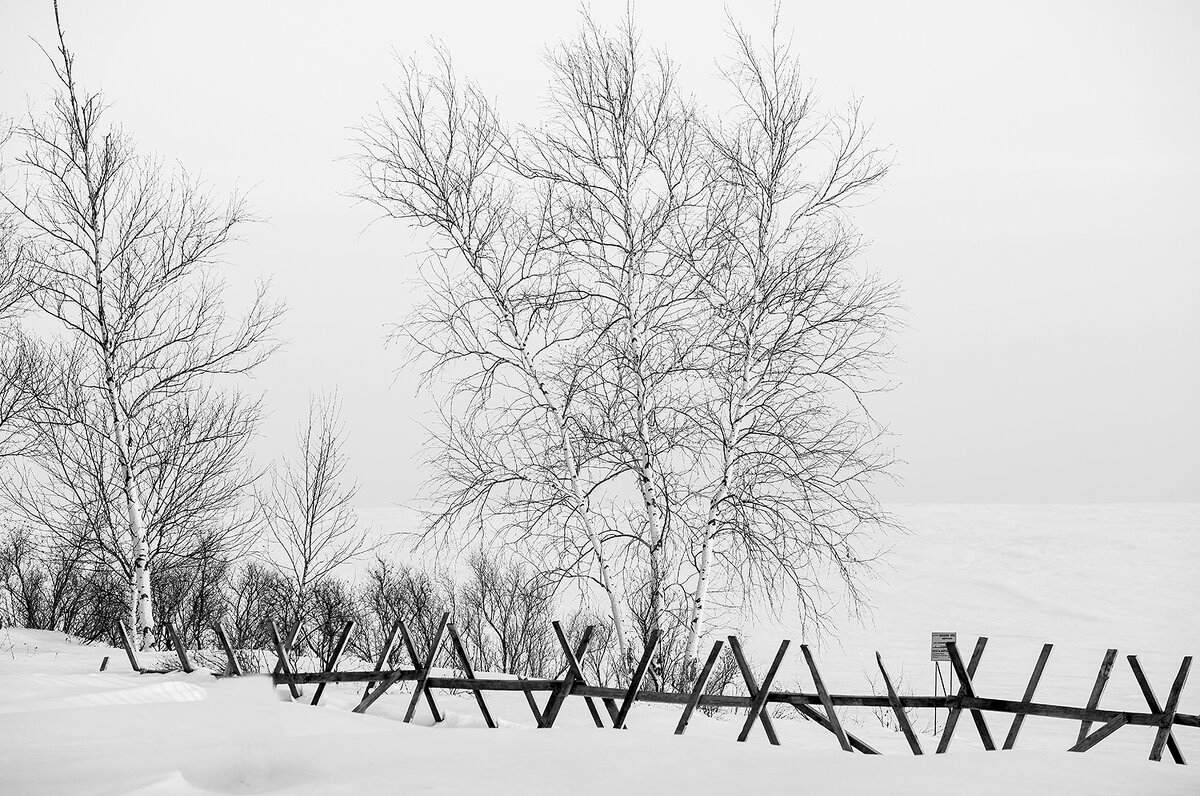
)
(533, 706)
(813, 714)
(698, 688)
(956, 705)
(759, 700)
(575, 664)
(559, 696)
(764, 716)
(1014, 729)
(133, 661)
(289, 643)
(331, 664)
(461, 652)
(284, 664)
(180, 652)
(968, 688)
(635, 684)
(423, 678)
(388, 681)
(411, 649)
(1152, 703)
(830, 713)
(1168, 714)
(388, 643)
(575, 661)
(1093, 702)
(898, 708)
(232, 667)
(1087, 742)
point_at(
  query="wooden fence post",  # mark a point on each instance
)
(411, 649)
(698, 688)
(388, 643)
(466, 664)
(369, 697)
(133, 661)
(231, 662)
(338, 649)
(1093, 702)
(764, 716)
(758, 702)
(423, 674)
(968, 690)
(1152, 703)
(825, 700)
(1011, 739)
(953, 714)
(574, 674)
(533, 706)
(1099, 735)
(636, 683)
(1168, 714)
(284, 665)
(289, 643)
(898, 709)
(179, 650)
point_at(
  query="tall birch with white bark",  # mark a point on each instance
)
(622, 155)
(500, 326)
(650, 334)
(801, 338)
(121, 252)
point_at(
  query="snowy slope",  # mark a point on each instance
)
(1020, 575)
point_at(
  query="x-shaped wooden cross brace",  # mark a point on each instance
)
(573, 674)
(421, 668)
(966, 689)
(1164, 736)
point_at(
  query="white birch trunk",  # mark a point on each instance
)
(614, 602)
(534, 382)
(646, 484)
(141, 596)
(699, 599)
(577, 492)
(730, 444)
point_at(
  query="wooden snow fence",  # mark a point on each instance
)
(820, 706)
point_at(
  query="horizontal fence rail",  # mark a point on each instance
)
(618, 702)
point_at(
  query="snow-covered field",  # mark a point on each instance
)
(1083, 578)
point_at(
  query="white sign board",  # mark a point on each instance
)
(937, 646)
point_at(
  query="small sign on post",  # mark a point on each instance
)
(937, 654)
(937, 646)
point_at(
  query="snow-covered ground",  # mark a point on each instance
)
(1083, 578)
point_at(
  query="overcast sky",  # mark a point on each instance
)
(1043, 216)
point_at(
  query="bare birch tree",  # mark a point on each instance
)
(121, 253)
(18, 354)
(652, 331)
(500, 324)
(308, 508)
(622, 157)
(192, 468)
(801, 335)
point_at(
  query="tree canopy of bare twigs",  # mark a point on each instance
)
(649, 327)
(308, 508)
(18, 359)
